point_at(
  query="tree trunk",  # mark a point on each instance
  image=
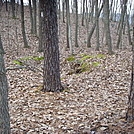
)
(97, 26)
(23, 26)
(34, 17)
(76, 25)
(124, 8)
(6, 5)
(92, 29)
(63, 10)
(13, 8)
(4, 110)
(130, 110)
(107, 26)
(83, 14)
(69, 39)
(40, 47)
(128, 29)
(51, 76)
(31, 16)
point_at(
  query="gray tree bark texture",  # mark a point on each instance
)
(13, 7)
(124, 8)
(76, 25)
(23, 26)
(31, 16)
(107, 26)
(51, 75)
(34, 17)
(92, 29)
(4, 110)
(40, 47)
(83, 14)
(130, 110)
(97, 26)
(68, 27)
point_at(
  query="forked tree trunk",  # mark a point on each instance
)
(51, 76)
(92, 29)
(4, 110)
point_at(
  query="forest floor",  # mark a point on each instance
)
(94, 101)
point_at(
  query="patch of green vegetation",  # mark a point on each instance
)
(66, 90)
(17, 62)
(13, 18)
(83, 63)
(71, 58)
(34, 58)
(100, 56)
(95, 64)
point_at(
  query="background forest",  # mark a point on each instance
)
(69, 67)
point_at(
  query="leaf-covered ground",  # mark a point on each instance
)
(94, 101)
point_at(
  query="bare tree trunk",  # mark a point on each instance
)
(69, 39)
(107, 26)
(92, 11)
(51, 76)
(13, 8)
(92, 29)
(76, 25)
(6, 5)
(111, 13)
(83, 14)
(31, 16)
(128, 29)
(97, 26)
(63, 10)
(4, 110)
(124, 8)
(23, 26)
(1, 3)
(34, 17)
(130, 110)
(40, 47)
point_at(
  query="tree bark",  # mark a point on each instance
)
(34, 17)
(107, 26)
(130, 110)
(97, 26)
(51, 75)
(40, 47)
(13, 8)
(76, 25)
(92, 29)
(4, 110)
(69, 39)
(124, 8)
(31, 16)
(23, 26)
(83, 14)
